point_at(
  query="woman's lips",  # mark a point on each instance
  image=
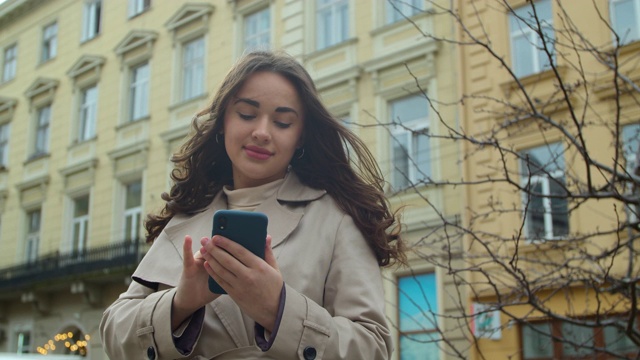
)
(257, 152)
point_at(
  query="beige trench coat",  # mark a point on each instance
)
(334, 299)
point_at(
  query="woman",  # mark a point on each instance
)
(265, 144)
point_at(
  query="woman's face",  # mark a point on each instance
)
(263, 126)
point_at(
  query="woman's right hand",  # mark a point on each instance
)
(192, 291)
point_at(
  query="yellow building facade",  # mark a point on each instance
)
(553, 136)
(96, 95)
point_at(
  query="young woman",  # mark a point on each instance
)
(265, 144)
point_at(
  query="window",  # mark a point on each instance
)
(332, 18)
(4, 145)
(139, 92)
(41, 141)
(33, 235)
(631, 152)
(544, 201)
(417, 307)
(88, 113)
(527, 47)
(193, 68)
(132, 210)
(410, 148)
(578, 341)
(625, 19)
(137, 7)
(396, 10)
(91, 19)
(24, 342)
(257, 30)
(49, 42)
(80, 225)
(10, 63)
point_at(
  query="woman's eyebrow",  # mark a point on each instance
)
(279, 109)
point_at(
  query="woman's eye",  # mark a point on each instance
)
(282, 125)
(245, 116)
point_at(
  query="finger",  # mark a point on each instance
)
(221, 275)
(235, 250)
(269, 257)
(187, 252)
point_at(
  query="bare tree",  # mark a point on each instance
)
(549, 234)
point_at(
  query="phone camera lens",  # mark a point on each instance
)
(222, 223)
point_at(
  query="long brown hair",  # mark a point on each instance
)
(202, 166)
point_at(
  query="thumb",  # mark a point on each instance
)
(269, 257)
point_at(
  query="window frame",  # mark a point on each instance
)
(80, 222)
(428, 330)
(192, 69)
(632, 161)
(23, 347)
(137, 7)
(335, 37)
(134, 213)
(261, 33)
(49, 48)
(544, 179)
(91, 19)
(632, 37)
(10, 62)
(598, 336)
(524, 31)
(5, 130)
(87, 115)
(411, 130)
(41, 133)
(135, 104)
(406, 8)
(32, 234)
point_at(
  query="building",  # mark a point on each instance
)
(554, 119)
(96, 95)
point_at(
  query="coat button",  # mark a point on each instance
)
(309, 353)
(151, 353)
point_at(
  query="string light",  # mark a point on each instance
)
(78, 346)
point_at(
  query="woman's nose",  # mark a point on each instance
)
(261, 131)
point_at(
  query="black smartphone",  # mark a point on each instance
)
(247, 228)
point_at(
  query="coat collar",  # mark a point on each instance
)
(168, 246)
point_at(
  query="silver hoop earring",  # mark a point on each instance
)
(218, 140)
(301, 155)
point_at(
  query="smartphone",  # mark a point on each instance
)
(247, 228)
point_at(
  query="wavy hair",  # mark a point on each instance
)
(202, 166)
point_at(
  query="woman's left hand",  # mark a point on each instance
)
(254, 284)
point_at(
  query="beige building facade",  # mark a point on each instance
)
(96, 95)
(553, 137)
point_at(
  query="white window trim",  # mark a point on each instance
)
(32, 237)
(134, 106)
(10, 62)
(532, 38)
(626, 38)
(335, 35)
(405, 7)
(49, 46)
(84, 224)
(5, 131)
(87, 115)
(134, 213)
(41, 144)
(245, 37)
(196, 90)
(545, 181)
(632, 160)
(91, 13)
(137, 7)
(420, 124)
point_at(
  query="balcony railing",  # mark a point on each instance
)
(80, 264)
